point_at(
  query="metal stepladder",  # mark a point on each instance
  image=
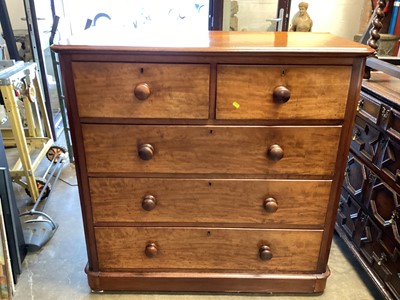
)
(30, 131)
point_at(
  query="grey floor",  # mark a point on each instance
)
(56, 271)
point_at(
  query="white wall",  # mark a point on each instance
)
(253, 15)
(16, 11)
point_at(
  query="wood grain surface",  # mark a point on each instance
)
(183, 201)
(245, 92)
(207, 248)
(385, 86)
(107, 90)
(211, 149)
(318, 44)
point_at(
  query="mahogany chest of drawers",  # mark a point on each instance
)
(212, 162)
(369, 209)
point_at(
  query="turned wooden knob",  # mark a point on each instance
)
(275, 152)
(281, 94)
(151, 250)
(149, 202)
(146, 151)
(142, 91)
(265, 252)
(270, 205)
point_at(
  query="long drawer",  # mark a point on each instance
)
(139, 90)
(285, 92)
(256, 150)
(272, 202)
(289, 251)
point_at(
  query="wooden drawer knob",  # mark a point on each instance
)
(275, 152)
(265, 252)
(149, 202)
(281, 94)
(142, 91)
(151, 250)
(146, 151)
(270, 205)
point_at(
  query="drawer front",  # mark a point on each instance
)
(385, 209)
(393, 123)
(366, 139)
(356, 179)
(211, 149)
(390, 160)
(369, 108)
(247, 92)
(374, 195)
(382, 255)
(272, 202)
(348, 213)
(207, 248)
(112, 90)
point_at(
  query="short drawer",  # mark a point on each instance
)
(272, 202)
(369, 107)
(260, 150)
(261, 92)
(130, 248)
(133, 90)
(366, 139)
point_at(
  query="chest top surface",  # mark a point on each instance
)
(213, 42)
(385, 86)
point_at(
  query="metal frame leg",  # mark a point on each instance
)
(11, 104)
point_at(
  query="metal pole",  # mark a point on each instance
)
(8, 32)
(32, 22)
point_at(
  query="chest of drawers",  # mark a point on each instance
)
(211, 163)
(369, 207)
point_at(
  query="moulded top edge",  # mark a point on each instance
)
(213, 42)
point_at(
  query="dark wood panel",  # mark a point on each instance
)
(391, 159)
(369, 208)
(382, 256)
(366, 139)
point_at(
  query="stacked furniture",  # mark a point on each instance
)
(369, 209)
(211, 162)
